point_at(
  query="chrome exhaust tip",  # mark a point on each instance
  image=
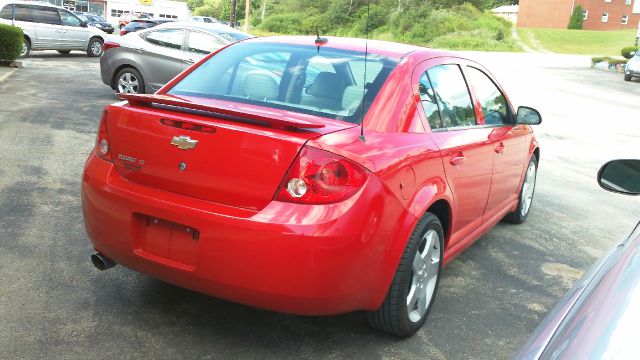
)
(102, 262)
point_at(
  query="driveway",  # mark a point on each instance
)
(54, 304)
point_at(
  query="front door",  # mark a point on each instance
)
(75, 36)
(508, 141)
(466, 147)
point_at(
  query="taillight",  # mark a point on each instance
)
(109, 44)
(102, 141)
(320, 177)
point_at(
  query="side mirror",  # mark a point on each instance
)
(528, 116)
(620, 176)
(83, 23)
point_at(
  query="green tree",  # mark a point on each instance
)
(577, 18)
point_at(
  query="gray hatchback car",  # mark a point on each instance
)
(142, 62)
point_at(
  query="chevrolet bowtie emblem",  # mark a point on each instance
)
(184, 142)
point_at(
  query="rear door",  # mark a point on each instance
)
(46, 22)
(161, 56)
(465, 145)
(508, 140)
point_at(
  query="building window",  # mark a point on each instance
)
(627, 2)
(607, 0)
(585, 14)
(605, 17)
(625, 19)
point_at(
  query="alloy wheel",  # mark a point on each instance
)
(128, 83)
(96, 47)
(528, 188)
(424, 272)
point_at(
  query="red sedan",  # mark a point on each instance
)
(310, 176)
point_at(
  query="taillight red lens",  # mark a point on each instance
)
(320, 177)
(102, 149)
(110, 44)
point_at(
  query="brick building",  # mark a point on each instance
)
(598, 14)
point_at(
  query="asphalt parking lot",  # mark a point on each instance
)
(54, 304)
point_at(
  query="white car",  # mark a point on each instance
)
(50, 27)
(633, 67)
(205, 19)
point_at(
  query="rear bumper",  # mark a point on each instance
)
(313, 260)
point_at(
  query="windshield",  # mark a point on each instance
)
(306, 79)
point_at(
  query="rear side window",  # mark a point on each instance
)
(453, 96)
(24, 13)
(298, 78)
(493, 103)
(202, 43)
(46, 16)
(5, 13)
(171, 38)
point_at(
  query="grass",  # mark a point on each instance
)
(584, 42)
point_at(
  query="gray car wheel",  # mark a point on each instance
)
(129, 81)
(94, 49)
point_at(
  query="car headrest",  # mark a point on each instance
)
(260, 85)
(327, 85)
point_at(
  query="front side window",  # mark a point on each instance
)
(494, 105)
(202, 43)
(171, 38)
(289, 77)
(453, 96)
(68, 19)
(429, 102)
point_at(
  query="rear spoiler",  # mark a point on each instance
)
(150, 99)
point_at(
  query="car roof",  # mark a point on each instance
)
(385, 48)
(209, 27)
(38, 3)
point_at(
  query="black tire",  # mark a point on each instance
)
(64, 52)
(133, 74)
(519, 215)
(26, 47)
(94, 48)
(627, 77)
(393, 316)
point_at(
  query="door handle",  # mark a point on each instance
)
(456, 160)
(500, 148)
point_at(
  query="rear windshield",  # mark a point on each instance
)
(319, 81)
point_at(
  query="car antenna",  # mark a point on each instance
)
(319, 40)
(364, 81)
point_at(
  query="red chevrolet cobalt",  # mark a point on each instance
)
(310, 175)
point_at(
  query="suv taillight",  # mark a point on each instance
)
(102, 141)
(320, 177)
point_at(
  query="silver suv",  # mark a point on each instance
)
(50, 27)
(633, 67)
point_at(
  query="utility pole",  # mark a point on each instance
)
(246, 15)
(232, 21)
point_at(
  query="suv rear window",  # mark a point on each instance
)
(325, 82)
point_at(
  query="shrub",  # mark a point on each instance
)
(284, 24)
(577, 18)
(610, 60)
(11, 38)
(628, 51)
